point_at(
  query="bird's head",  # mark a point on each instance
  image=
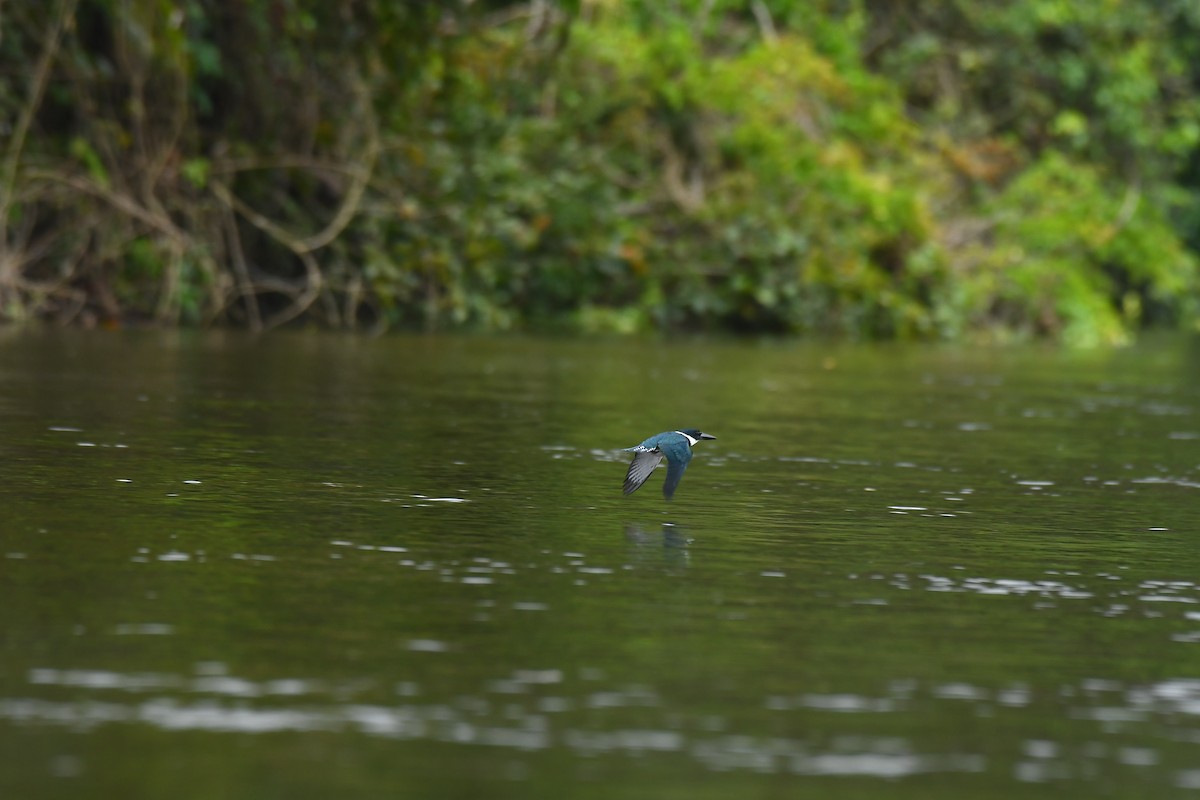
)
(697, 434)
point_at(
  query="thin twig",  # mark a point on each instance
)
(1129, 206)
(168, 299)
(16, 144)
(288, 162)
(311, 290)
(238, 257)
(158, 164)
(354, 194)
(304, 247)
(766, 25)
(120, 201)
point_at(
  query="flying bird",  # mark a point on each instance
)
(674, 446)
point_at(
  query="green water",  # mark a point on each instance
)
(312, 566)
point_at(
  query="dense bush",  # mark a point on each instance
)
(875, 169)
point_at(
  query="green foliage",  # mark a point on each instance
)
(855, 167)
(1110, 81)
(1070, 259)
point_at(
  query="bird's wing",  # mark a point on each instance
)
(678, 454)
(643, 463)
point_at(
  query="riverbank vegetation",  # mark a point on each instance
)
(928, 169)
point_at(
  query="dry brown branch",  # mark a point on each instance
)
(353, 297)
(361, 177)
(168, 148)
(301, 303)
(9, 262)
(39, 293)
(302, 247)
(683, 180)
(167, 306)
(177, 240)
(121, 202)
(169, 294)
(225, 166)
(762, 15)
(245, 286)
(263, 223)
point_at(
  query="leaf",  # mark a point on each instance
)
(82, 149)
(196, 171)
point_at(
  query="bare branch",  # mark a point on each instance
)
(245, 285)
(121, 202)
(12, 155)
(762, 15)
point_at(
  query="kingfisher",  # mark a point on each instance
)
(674, 446)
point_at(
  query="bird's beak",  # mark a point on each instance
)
(707, 436)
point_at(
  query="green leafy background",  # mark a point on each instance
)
(935, 169)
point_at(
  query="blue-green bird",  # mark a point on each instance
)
(674, 446)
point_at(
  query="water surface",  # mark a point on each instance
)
(316, 566)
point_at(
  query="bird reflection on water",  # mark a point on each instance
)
(671, 535)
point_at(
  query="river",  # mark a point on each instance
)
(310, 565)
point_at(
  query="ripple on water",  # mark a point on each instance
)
(144, 629)
(529, 719)
(1001, 586)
